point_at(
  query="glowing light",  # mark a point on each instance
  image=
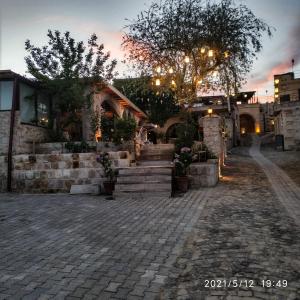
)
(158, 69)
(173, 82)
(187, 59)
(157, 82)
(199, 81)
(215, 74)
(210, 53)
(276, 81)
(226, 54)
(257, 129)
(243, 130)
(272, 122)
(210, 111)
(202, 50)
(276, 90)
(245, 96)
(276, 96)
(171, 71)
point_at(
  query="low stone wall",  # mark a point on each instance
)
(204, 174)
(49, 173)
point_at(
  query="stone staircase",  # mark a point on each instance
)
(151, 177)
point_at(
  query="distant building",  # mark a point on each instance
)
(286, 87)
(287, 109)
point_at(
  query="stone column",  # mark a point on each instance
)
(212, 136)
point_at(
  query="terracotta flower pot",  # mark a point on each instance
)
(109, 187)
(182, 183)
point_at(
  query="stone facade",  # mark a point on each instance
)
(52, 172)
(212, 135)
(24, 135)
(287, 123)
(204, 174)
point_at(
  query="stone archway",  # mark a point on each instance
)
(247, 124)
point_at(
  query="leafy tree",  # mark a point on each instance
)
(159, 106)
(65, 68)
(124, 129)
(184, 42)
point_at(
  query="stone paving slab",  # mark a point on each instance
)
(86, 247)
(245, 235)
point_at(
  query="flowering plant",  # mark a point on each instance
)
(106, 163)
(182, 161)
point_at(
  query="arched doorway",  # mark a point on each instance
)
(171, 133)
(247, 124)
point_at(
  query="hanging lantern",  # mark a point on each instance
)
(186, 59)
(173, 82)
(226, 54)
(202, 50)
(158, 69)
(157, 82)
(171, 71)
(210, 53)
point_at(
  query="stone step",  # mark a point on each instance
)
(155, 163)
(141, 195)
(144, 179)
(93, 189)
(143, 187)
(155, 157)
(159, 146)
(145, 170)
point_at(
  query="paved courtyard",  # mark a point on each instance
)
(83, 247)
(70, 247)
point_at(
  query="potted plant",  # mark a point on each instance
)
(181, 163)
(109, 172)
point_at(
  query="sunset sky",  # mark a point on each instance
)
(31, 19)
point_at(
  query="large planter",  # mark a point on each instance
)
(182, 183)
(109, 187)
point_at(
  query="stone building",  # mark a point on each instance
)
(287, 123)
(24, 105)
(287, 109)
(286, 87)
(25, 112)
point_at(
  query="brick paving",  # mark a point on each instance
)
(287, 191)
(246, 233)
(82, 247)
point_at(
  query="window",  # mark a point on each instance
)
(27, 104)
(43, 109)
(6, 94)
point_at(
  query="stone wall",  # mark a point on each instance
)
(24, 135)
(49, 173)
(204, 174)
(287, 123)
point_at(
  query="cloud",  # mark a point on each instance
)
(290, 50)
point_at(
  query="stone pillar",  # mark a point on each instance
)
(212, 134)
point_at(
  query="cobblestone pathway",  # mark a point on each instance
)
(67, 247)
(285, 188)
(244, 236)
